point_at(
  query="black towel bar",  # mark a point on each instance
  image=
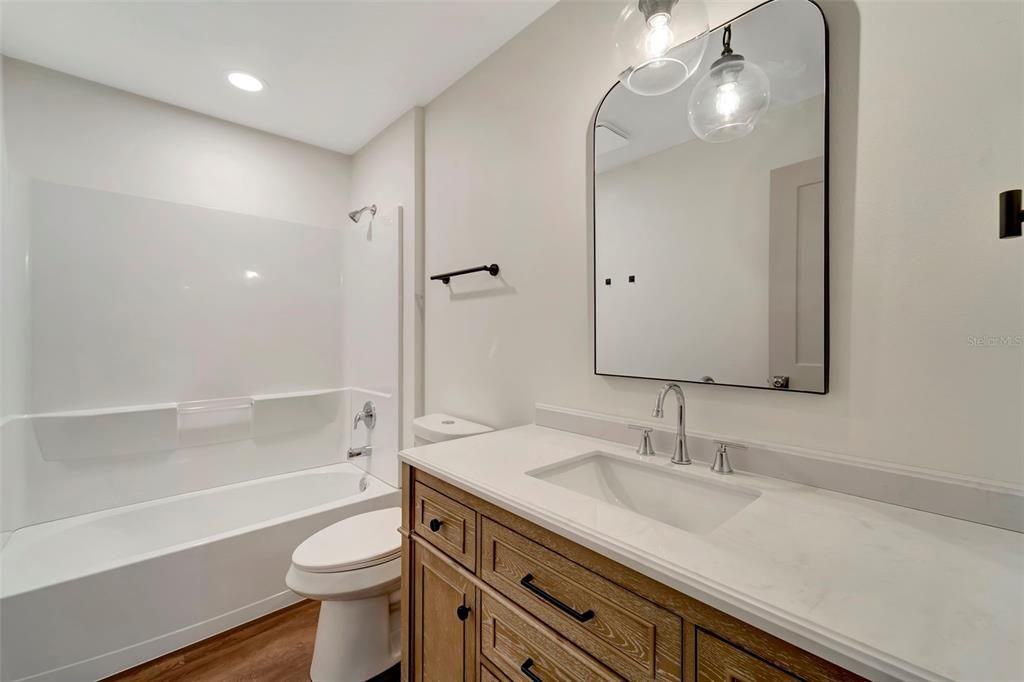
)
(446, 277)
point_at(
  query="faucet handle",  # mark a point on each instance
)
(646, 448)
(367, 415)
(721, 464)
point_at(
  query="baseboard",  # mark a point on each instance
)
(961, 497)
(123, 659)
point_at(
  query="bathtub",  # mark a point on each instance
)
(88, 596)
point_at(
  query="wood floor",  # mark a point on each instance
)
(275, 648)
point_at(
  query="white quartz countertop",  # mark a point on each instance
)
(888, 592)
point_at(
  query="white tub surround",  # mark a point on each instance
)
(88, 596)
(888, 592)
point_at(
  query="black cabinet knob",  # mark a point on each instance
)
(435, 524)
(462, 612)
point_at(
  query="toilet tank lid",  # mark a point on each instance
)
(356, 542)
(439, 427)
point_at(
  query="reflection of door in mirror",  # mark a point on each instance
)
(796, 267)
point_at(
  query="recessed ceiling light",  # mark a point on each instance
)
(245, 81)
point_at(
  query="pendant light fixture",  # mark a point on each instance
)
(661, 43)
(727, 102)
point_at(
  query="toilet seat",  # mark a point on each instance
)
(355, 543)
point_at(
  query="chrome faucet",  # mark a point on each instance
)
(367, 415)
(680, 455)
(360, 451)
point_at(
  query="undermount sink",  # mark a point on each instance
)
(650, 490)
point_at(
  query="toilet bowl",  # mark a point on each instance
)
(353, 568)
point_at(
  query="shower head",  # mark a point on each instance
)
(356, 215)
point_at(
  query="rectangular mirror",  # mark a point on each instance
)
(711, 257)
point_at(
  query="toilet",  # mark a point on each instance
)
(353, 567)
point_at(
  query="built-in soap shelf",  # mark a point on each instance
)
(163, 427)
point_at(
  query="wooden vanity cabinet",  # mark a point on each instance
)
(489, 596)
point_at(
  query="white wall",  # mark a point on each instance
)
(157, 255)
(75, 132)
(388, 171)
(918, 155)
(691, 223)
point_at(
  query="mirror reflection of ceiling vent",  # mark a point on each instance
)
(608, 139)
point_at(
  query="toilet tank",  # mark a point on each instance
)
(438, 427)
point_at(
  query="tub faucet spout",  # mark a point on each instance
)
(360, 451)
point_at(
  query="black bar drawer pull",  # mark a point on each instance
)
(435, 524)
(527, 582)
(525, 669)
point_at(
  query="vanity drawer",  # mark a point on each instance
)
(523, 649)
(489, 672)
(718, 661)
(446, 524)
(629, 634)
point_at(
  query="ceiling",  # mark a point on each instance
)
(336, 73)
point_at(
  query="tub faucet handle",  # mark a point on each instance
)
(367, 415)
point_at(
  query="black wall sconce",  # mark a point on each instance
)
(1011, 217)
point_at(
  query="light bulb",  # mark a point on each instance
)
(659, 35)
(727, 99)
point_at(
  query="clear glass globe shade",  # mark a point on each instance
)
(657, 53)
(728, 101)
